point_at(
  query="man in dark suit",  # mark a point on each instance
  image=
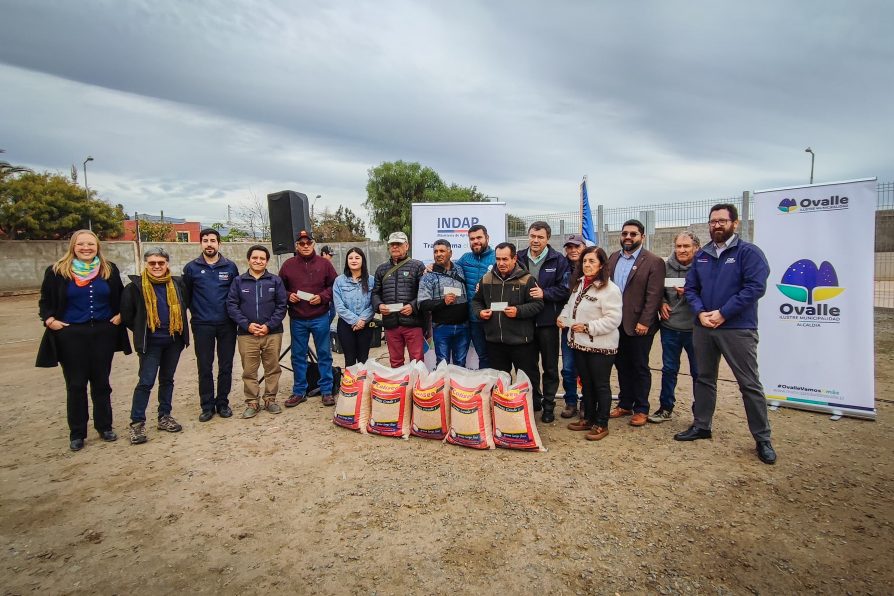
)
(640, 275)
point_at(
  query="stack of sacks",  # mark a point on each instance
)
(390, 398)
(471, 423)
(514, 425)
(431, 403)
(352, 406)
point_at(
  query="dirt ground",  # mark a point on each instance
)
(293, 504)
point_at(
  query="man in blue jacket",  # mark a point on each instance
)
(208, 280)
(257, 303)
(550, 269)
(723, 286)
(474, 265)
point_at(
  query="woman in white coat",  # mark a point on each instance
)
(592, 314)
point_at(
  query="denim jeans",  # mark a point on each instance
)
(301, 330)
(672, 345)
(476, 333)
(160, 359)
(569, 372)
(451, 343)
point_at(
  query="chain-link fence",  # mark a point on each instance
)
(664, 221)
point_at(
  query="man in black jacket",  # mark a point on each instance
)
(550, 269)
(394, 296)
(442, 292)
(504, 302)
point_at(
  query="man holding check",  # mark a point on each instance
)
(505, 305)
(394, 296)
(308, 279)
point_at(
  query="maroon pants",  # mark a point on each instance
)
(397, 338)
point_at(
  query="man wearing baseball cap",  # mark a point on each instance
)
(394, 295)
(574, 245)
(308, 279)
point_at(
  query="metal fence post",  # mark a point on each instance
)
(600, 226)
(745, 222)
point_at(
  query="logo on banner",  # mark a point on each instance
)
(788, 205)
(833, 203)
(811, 286)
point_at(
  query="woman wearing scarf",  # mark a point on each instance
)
(592, 316)
(153, 308)
(80, 301)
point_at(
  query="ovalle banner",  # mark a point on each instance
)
(816, 320)
(451, 222)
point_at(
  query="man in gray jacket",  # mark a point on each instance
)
(676, 323)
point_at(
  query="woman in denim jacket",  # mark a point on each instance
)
(352, 293)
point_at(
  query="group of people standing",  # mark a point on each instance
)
(519, 309)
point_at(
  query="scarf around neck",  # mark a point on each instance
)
(152, 321)
(83, 273)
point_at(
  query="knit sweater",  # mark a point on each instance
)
(600, 309)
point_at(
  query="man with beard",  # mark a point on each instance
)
(509, 327)
(573, 247)
(640, 276)
(475, 264)
(676, 324)
(207, 280)
(723, 286)
(442, 292)
(308, 279)
(550, 270)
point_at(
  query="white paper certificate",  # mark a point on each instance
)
(567, 321)
(498, 306)
(304, 295)
(394, 307)
(453, 291)
(674, 282)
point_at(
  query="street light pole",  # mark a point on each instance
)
(312, 206)
(87, 188)
(812, 157)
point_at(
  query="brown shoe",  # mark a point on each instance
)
(597, 433)
(617, 412)
(295, 399)
(328, 400)
(569, 412)
(639, 419)
(579, 425)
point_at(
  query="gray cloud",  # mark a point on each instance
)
(189, 107)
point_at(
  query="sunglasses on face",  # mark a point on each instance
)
(305, 244)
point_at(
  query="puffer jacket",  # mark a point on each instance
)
(474, 267)
(553, 279)
(401, 287)
(516, 290)
(680, 314)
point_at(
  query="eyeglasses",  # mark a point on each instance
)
(630, 234)
(305, 244)
(156, 263)
(719, 222)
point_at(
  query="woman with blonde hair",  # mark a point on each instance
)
(154, 308)
(80, 305)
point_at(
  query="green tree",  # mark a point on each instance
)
(394, 186)
(341, 226)
(156, 231)
(7, 169)
(50, 206)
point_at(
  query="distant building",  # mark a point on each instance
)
(184, 231)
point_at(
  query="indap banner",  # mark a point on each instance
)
(816, 319)
(451, 222)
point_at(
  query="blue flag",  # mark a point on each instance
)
(587, 229)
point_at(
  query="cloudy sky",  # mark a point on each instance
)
(190, 106)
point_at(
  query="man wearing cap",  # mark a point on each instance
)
(308, 279)
(573, 247)
(394, 295)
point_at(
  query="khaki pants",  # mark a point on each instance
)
(254, 351)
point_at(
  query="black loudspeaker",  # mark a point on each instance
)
(289, 214)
